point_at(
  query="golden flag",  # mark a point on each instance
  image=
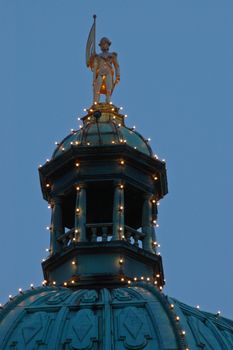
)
(90, 46)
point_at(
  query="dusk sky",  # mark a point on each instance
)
(176, 59)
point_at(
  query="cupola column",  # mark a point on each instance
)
(118, 212)
(57, 228)
(147, 223)
(80, 214)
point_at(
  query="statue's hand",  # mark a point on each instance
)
(117, 79)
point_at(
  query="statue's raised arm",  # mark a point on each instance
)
(105, 67)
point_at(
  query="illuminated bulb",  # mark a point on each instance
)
(76, 142)
(113, 109)
(121, 261)
(20, 290)
(32, 285)
(135, 278)
(91, 110)
(77, 210)
(135, 147)
(155, 243)
(119, 124)
(121, 186)
(142, 278)
(158, 275)
(172, 306)
(78, 188)
(65, 283)
(1, 306)
(148, 278)
(149, 139)
(71, 142)
(122, 279)
(44, 282)
(155, 282)
(134, 127)
(76, 231)
(47, 185)
(74, 239)
(110, 103)
(72, 282)
(47, 160)
(88, 143)
(183, 332)
(95, 103)
(158, 203)
(56, 143)
(121, 108)
(77, 164)
(155, 178)
(122, 162)
(129, 281)
(153, 201)
(78, 118)
(121, 207)
(157, 225)
(120, 228)
(125, 141)
(89, 118)
(73, 262)
(198, 306)
(163, 160)
(40, 166)
(155, 155)
(54, 282)
(113, 142)
(43, 260)
(126, 115)
(123, 237)
(47, 249)
(49, 206)
(160, 287)
(121, 140)
(177, 318)
(10, 297)
(218, 313)
(84, 110)
(154, 221)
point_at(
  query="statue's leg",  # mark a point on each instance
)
(108, 87)
(97, 86)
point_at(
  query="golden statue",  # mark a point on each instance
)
(105, 67)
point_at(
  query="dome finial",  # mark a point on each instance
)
(105, 66)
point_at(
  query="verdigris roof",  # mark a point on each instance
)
(133, 317)
(107, 128)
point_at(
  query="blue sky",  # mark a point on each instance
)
(176, 87)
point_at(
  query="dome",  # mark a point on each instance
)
(103, 128)
(131, 317)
